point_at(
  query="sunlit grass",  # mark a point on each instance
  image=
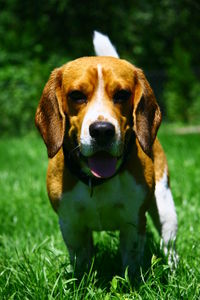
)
(34, 263)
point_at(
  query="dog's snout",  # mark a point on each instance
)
(102, 132)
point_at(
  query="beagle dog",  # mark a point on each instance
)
(98, 117)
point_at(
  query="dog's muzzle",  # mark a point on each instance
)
(102, 163)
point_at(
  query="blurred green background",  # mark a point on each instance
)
(161, 37)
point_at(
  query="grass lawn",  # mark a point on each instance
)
(33, 259)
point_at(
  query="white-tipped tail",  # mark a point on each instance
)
(103, 46)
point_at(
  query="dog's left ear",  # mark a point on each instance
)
(146, 113)
(50, 118)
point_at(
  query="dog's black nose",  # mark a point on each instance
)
(102, 132)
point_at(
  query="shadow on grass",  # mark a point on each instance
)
(107, 264)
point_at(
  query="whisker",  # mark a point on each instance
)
(75, 149)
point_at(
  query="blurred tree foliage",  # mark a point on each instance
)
(182, 90)
(37, 36)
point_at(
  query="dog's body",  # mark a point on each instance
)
(98, 117)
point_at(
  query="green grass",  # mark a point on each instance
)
(34, 263)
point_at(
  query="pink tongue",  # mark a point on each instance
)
(102, 165)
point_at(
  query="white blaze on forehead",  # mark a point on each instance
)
(100, 89)
(98, 109)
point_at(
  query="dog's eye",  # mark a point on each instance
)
(77, 97)
(121, 96)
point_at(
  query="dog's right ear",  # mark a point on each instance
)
(50, 117)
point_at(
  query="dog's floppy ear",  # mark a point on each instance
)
(50, 118)
(146, 113)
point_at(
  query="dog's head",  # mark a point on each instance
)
(93, 105)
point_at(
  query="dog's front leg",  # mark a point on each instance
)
(79, 244)
(164, 216)
(132, 248)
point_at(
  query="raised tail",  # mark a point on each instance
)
(103, 46)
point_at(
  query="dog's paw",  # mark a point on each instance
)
(170, 253)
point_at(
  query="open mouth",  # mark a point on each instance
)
(102, 164)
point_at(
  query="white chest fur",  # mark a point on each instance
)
(112, 205)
